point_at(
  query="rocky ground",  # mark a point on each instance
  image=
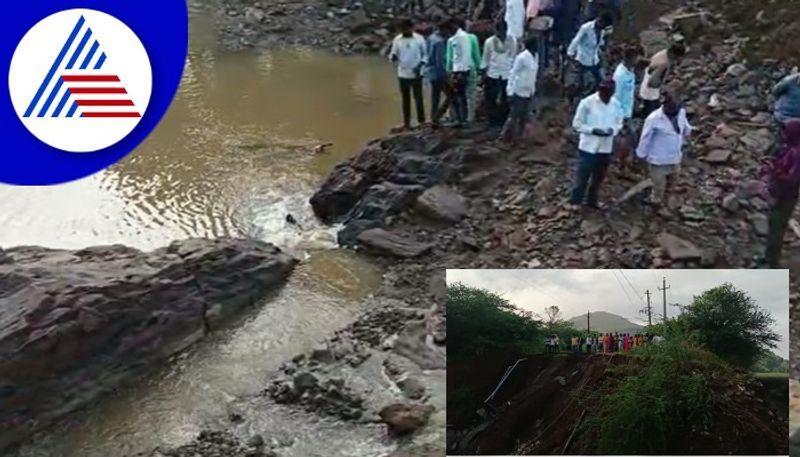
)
(77, 324)
(363, 27)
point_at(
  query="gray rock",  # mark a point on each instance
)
(391, 243)
(304, 381)
(730, 203)
(442, 204)
(760, 224)
(677, 248)
(718, 156)
(76, 324)
(256, 441)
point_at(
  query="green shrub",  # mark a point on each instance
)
(662, 390)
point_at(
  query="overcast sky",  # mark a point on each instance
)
(579, 291)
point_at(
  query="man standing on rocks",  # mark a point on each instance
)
(521, 89)
(656, 74)
(625, 93)
(598, 119)
(585, 49)
(472, 82)
(787, 101)
(498, 58)
(460, 63)
(661, 145)
(437, 65)
(409, 54)
(783, 186)
(515, 18)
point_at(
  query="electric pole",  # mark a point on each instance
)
(649, 310)
(664, 289)
(588, 323)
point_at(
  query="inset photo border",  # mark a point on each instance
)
(618, 362)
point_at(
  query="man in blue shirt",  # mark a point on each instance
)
(625, 81)
(585, 49)
(787, 103)
(436, 72)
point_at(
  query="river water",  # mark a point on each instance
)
(233, 156)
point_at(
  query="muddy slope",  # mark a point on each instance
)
(540, 407)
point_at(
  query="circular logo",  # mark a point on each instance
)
(88, 81)
(80, 80)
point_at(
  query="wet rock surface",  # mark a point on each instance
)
(76, 324)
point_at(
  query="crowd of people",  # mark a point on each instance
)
(605, 343)
(612, 117)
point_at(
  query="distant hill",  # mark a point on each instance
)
(604, 322)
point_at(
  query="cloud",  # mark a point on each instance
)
(623, 292)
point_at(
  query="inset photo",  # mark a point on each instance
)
(617, 362)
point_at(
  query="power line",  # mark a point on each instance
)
(624, 290)
(630, 284)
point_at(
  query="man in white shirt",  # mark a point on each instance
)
(515, 18)
(585, 49)
(409, 54)
(498, 58)
(661, 144)
(459, 65)
(521, 88)
(598, 119)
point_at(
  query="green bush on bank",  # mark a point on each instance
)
(662, 391)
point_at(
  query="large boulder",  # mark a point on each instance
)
(384, 180)
(443, 204)
(76, 324)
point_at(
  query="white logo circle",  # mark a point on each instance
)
(80, 80)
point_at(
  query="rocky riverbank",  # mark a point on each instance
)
(340, 26)
(77, 324)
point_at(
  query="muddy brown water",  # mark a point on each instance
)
(233, 156)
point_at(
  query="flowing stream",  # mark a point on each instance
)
(233, 156)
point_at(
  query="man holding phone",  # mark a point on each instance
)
(598, 120)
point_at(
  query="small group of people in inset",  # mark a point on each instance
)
(606, 343)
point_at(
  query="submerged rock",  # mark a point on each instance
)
(75, 324)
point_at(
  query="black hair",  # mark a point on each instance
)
(532, 44)
(630, 53)
(677, 49)
(606, 19)
(406, 23)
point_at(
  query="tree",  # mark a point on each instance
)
(730, 324)
(479, 320)
(553, 315)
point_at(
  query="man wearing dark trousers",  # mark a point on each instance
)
(598, 120)
(409, 54)
(437, 65)
(499, 52)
